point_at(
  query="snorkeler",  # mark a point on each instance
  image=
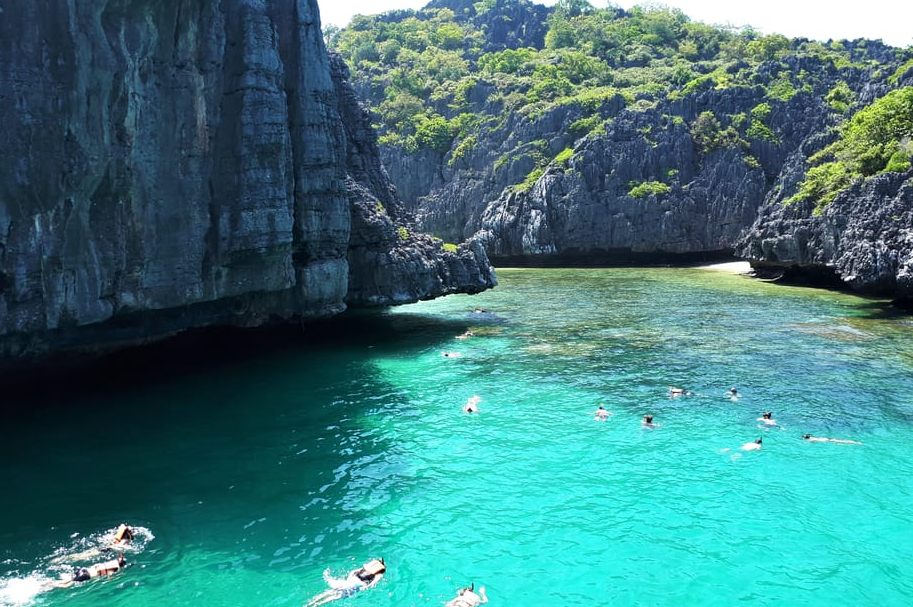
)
(767, 419)
(467, 597)
(84, 574)
(822, 439)
(676, 392)
(601, 414)
(122, 535)
(360, 579)
(472, 405)
(755, 446)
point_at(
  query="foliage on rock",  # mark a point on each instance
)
(876, 139)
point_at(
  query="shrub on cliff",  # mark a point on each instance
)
(876, 139)
(519, 67)
(709, 135)
(649, 188)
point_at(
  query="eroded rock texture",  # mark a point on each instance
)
(175, 164)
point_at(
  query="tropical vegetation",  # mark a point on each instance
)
(446, 77)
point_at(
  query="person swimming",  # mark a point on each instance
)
(121, 537)
(767, 419)
(822, 439)
(472, 404)
(366, 576)
(647, 422)
(123, 534)
(601, 414)
(755, 446)
(467, 597)
(84, 574)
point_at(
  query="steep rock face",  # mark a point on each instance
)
(584, 205)
(864, 237)
(168, 165)
(389, 262)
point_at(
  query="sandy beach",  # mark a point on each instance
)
(734, 267)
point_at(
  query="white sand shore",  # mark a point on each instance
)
(734, 267)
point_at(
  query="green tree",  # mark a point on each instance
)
(768, 48)
(560, 34)
(519, 61)
(435, 133)
(648, 188)
(709, 135)
(840, 98)
(330, 35)
(758, 128)
(574, 8)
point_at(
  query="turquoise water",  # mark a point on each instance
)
(251, 475)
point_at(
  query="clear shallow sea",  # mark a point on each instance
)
(255, 473)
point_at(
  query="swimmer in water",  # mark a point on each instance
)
(822, 439)
(465, 335)
(467, 597)
(601, 414)
(364, 577)
(755, 446)
(768, 420)
(84, 574)
(472, 405)
(733, 393)
(676, 392)
(647, 422)
(122, 536)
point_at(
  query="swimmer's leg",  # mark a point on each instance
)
(60, 583)
(323, 598)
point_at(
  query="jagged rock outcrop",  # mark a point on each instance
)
(864, 238)
(583, 205)
(389, 262)
(168, 165)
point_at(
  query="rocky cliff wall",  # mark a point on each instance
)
(582, 205)
(536, 192)
(864, 238)
(168, 165)
(547, 161)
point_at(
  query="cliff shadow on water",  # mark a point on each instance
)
(206, 350)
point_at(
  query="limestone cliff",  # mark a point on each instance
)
(582, 207)
(168, 165)
(864, 238)
(667, 148)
